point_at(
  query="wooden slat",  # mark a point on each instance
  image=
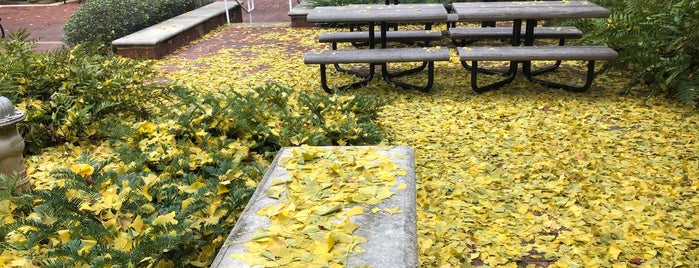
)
(506, 32)
(536, 53)
(377, 13)
(502, 11)
(418, 35)
(376, 55)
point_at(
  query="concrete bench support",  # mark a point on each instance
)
(163, 38)
(391, 239)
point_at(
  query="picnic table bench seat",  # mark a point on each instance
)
(459, 35)
(391, 36)
(378, 56)
(526, 54)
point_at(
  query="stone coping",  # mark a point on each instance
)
(298, 15)
(391, 239)
(168, 29)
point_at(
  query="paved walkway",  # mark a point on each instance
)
(45, 22)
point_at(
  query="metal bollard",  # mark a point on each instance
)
(12, 146)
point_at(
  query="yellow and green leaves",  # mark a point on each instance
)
(311, 224)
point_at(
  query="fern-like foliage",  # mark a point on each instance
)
(657, 44)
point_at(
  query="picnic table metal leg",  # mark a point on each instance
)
(324, 80)
(474, 78)
(341, 69)
(388, 77)
(561, 42)
(516, 39)
(588, 80)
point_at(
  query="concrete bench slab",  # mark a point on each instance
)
(163, 38)
(391, 239)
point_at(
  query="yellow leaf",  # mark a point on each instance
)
(274, 192)
(356, 210)
(165, 219)
(64, 235)
(347, 226)
(395, 210)
(84, 170)
(619, 265)
(325, 210)
(137, 224)
(330, 241)
(614, 251)
(275, 245)
(222, 189)
(123, 242)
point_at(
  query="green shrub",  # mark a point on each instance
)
(274, 116)
(68, 93)
(175, 189)
(107, 20)
(657, 44)
(133, 218)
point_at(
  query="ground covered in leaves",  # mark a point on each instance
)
(523, 175)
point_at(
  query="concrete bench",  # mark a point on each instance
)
(461, 36)
(163, 38)
(388, 227)
(378, 56)
(534, 53)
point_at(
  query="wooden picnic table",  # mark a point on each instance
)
(379, 13)
(530, 12)
(373, 14)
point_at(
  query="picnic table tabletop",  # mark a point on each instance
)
(523, 10)
(378, 12)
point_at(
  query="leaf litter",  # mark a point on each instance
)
(523, 174)
(311, 225)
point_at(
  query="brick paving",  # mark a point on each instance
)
(45, 22)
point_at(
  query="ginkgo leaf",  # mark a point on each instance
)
(165, 219)
(276, 245)
(274, 192)
(395, 210)
(356, 210)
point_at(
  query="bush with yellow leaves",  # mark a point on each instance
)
(177, 183)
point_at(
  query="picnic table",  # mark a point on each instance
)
(531, 13)
(373, 14)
